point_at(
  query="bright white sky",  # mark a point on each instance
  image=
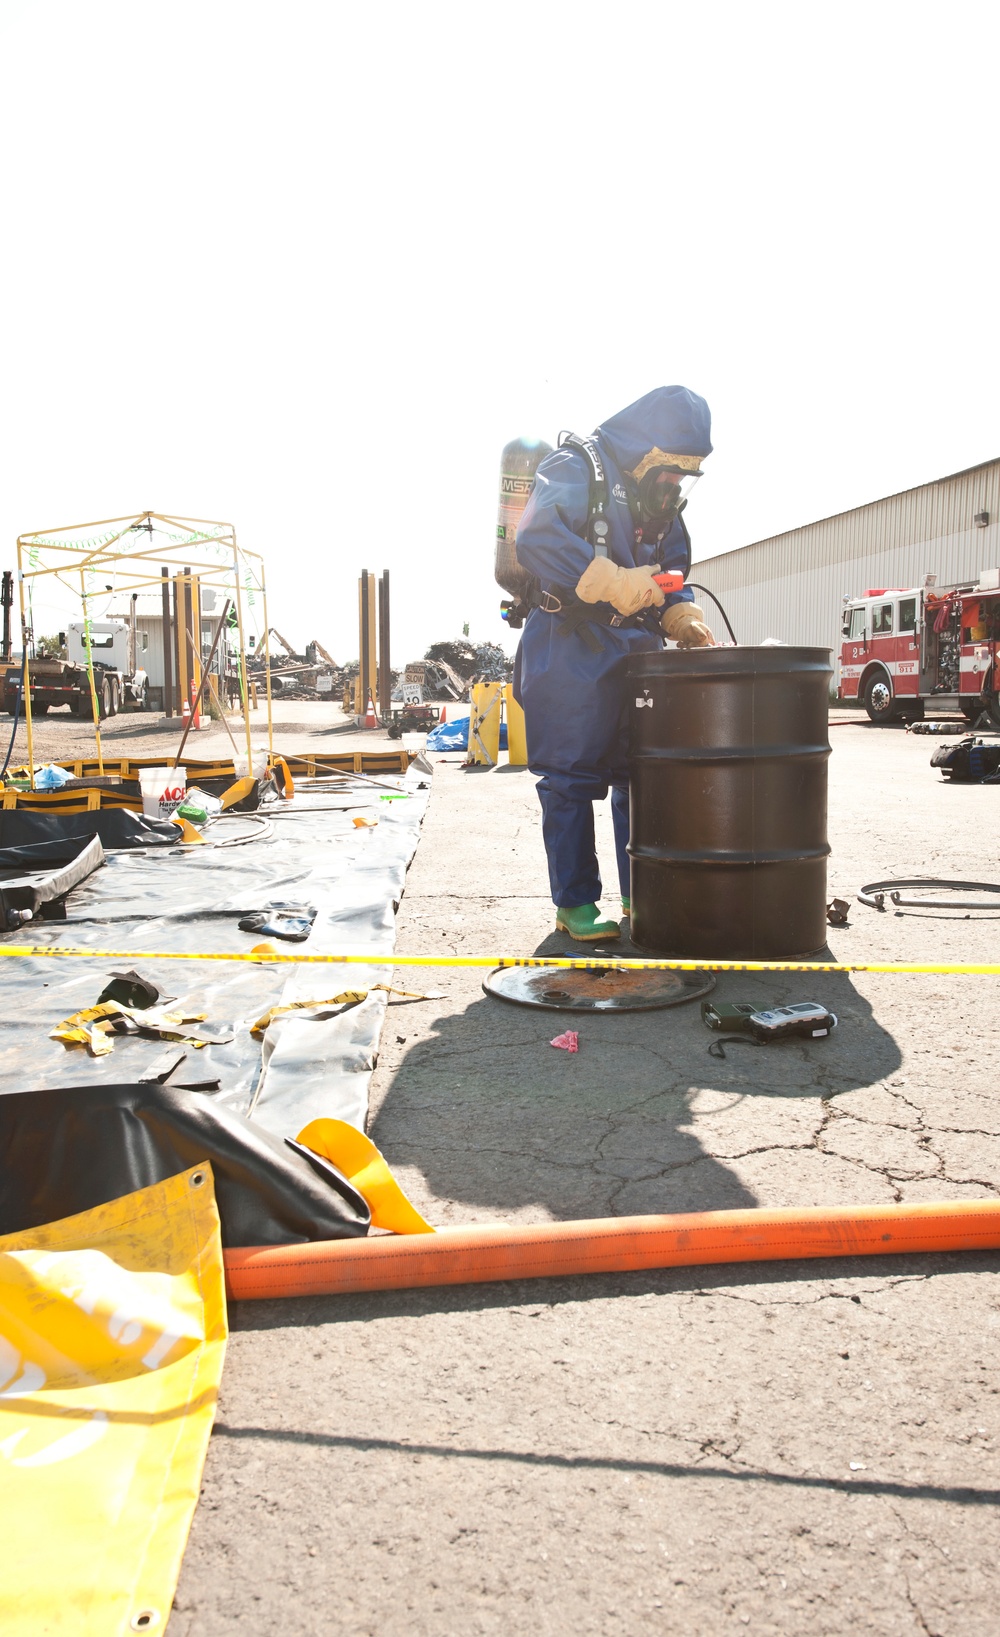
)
(307, 266)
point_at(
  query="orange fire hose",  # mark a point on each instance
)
(488, 1251)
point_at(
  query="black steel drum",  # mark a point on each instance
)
(728, 773)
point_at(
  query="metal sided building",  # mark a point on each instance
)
(793, 586)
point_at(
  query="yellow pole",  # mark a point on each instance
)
(90, 673)
(243, 658)
(26, 701)
(371, 680)
(359, 707)
(180, 633)
(196, 674)
(194, 599)
(267, 666)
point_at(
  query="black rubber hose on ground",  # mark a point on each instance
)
(17, 713)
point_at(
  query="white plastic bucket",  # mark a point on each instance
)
(163, 790)
(259, 765)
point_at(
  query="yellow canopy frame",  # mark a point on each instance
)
(210, 552)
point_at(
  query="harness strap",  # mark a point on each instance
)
(598, 527)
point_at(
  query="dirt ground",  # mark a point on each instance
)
(59, 736)
(785, 1448)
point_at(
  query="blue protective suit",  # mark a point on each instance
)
(575, 698)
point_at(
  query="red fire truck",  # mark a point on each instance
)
(905, 649)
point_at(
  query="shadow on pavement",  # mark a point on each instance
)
(641, 1118)
(555, 1460)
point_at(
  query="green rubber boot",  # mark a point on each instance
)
(627, 908)
(582, 923)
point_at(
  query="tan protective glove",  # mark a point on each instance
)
(626, 589)
(684, 623)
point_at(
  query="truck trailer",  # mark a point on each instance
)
(120, 684)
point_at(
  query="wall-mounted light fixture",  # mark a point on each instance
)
(981, 519)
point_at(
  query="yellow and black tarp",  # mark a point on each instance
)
(112, 1338)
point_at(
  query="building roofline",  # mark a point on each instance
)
(832, 517)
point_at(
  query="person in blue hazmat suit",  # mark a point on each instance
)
(597, 606)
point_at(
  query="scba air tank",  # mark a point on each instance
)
(518, 465)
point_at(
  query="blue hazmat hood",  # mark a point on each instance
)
(668, 418)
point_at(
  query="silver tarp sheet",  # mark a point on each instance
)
(307, 851)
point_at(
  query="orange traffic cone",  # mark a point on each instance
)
(371, 720)
(185, 713)
(444, 715)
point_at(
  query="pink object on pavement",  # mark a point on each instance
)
(568, 1042)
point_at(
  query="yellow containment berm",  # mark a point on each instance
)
(112, 1339)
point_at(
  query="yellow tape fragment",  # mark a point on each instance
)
(352, 996)
(347, 996)
(94, 1026)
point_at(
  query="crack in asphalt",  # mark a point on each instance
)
(780, 1300)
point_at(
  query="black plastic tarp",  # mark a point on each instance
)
(115, 827)
(38, 877)
(68, 1148)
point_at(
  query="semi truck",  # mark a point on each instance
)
(904, 649)
(121, 684)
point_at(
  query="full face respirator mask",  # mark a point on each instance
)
(662, 493)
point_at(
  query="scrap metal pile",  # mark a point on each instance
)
(449, 669)
(446, 672)
(311, 674)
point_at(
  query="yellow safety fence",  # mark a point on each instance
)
(112, 1338)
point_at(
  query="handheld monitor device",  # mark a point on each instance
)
(806, 1018)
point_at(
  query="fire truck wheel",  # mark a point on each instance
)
(879, 701)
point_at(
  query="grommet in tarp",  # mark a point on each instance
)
(144, 1620)
(197, 1179)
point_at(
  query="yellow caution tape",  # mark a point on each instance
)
(352, 996)
(94, 1027)
(268, 955)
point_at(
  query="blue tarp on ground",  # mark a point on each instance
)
(454, 735)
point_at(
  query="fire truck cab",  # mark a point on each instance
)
(902, 649)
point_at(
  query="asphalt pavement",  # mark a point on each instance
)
(782, 1448)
